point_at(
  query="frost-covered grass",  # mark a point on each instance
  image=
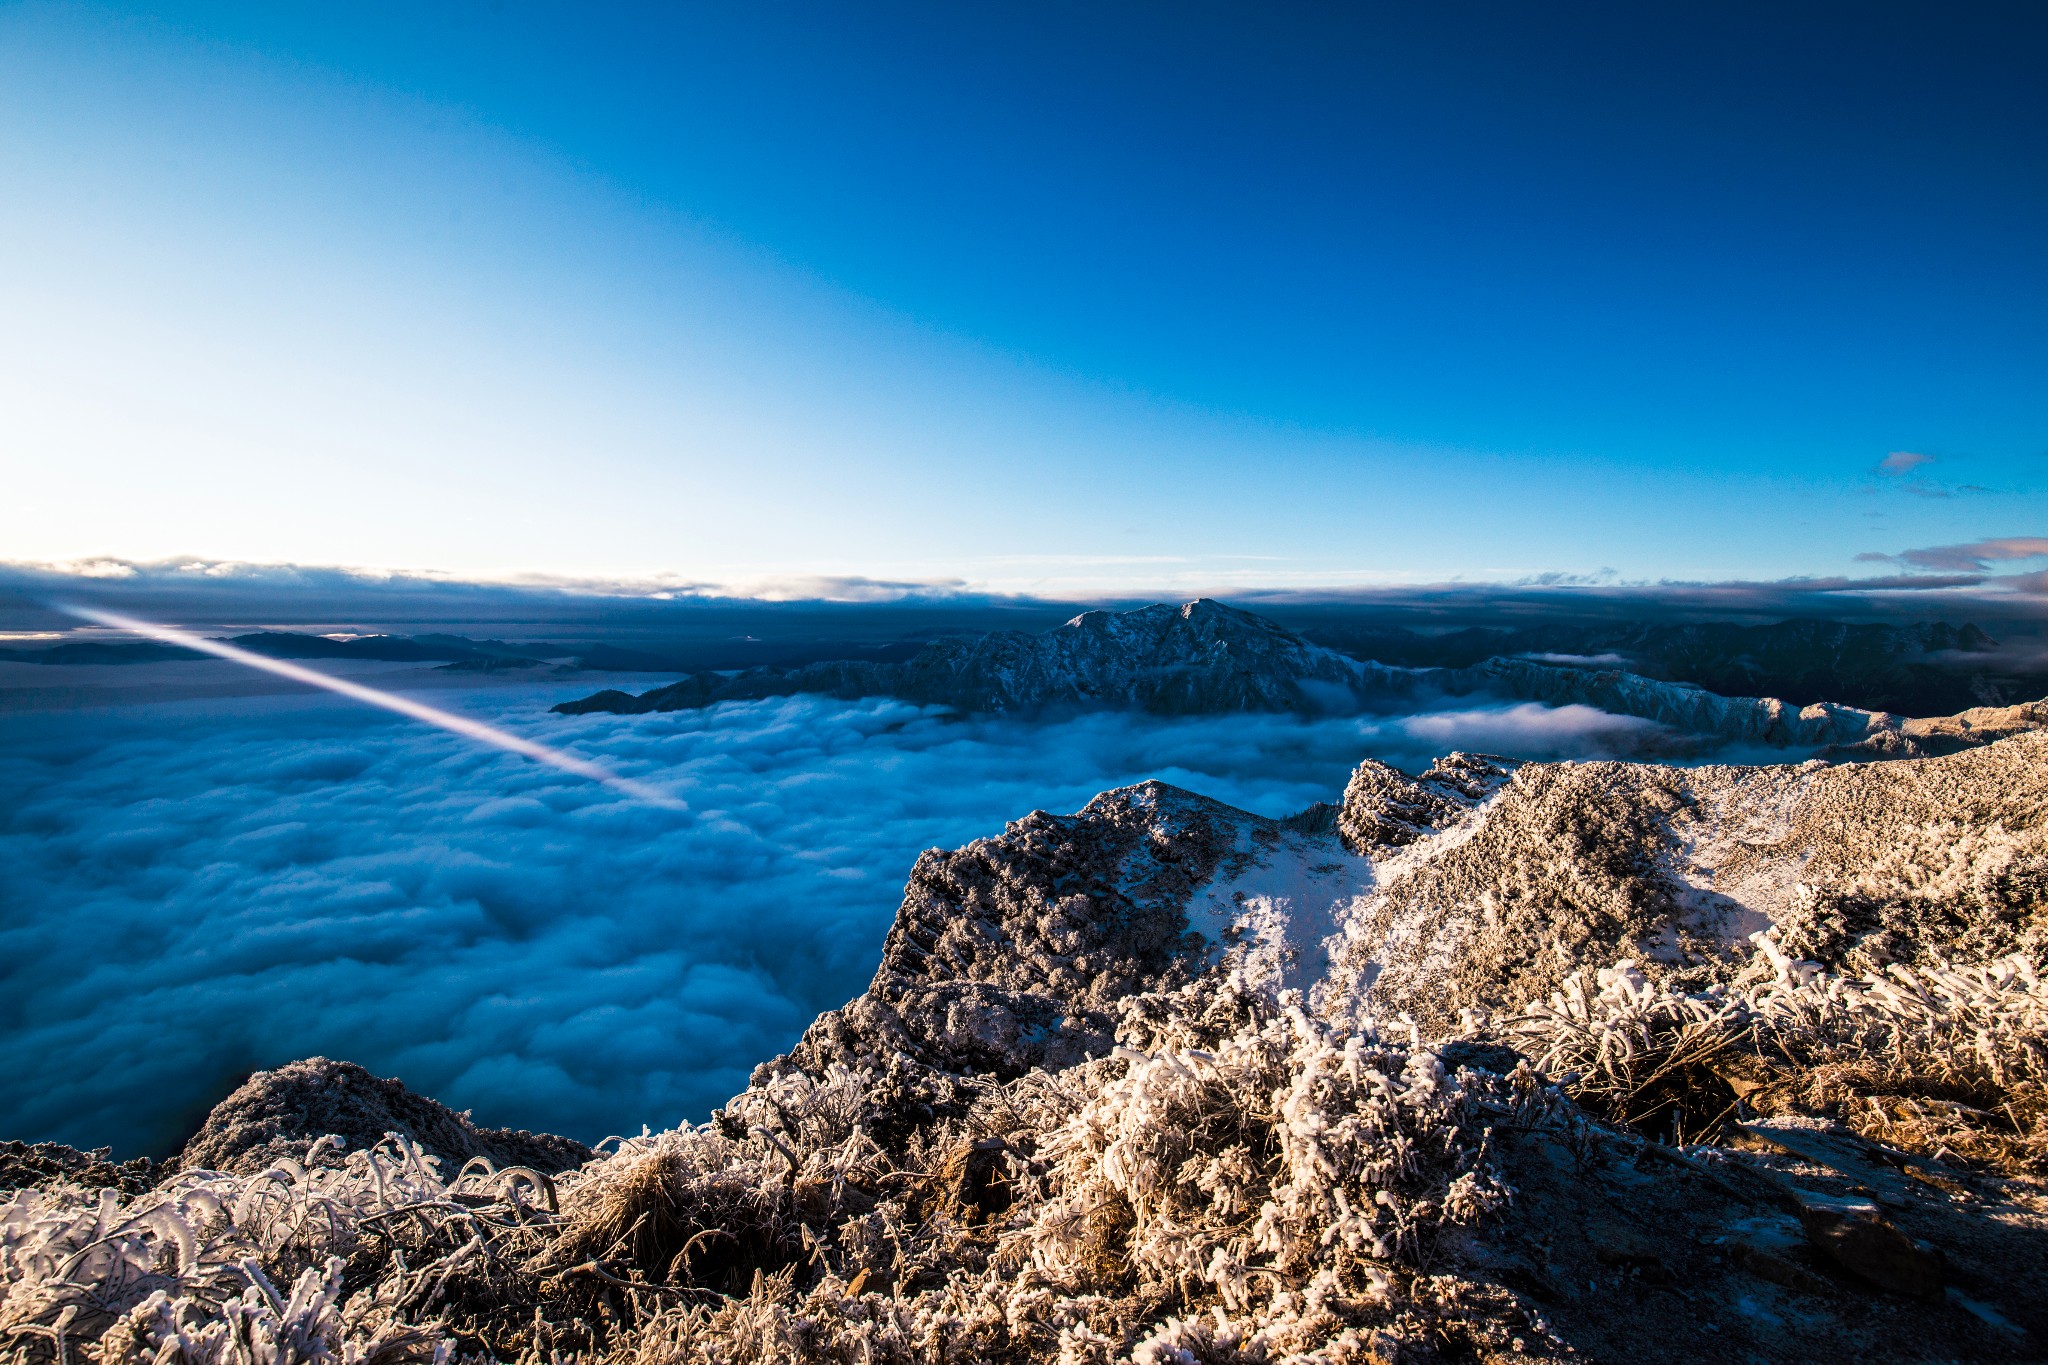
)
(338, 1258)
(1239, 1181)
(1948, 1060)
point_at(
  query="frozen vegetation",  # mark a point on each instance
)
(1495, 1061)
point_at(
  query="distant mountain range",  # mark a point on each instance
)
(1207, 658)
(1800, 683)
(1198, 659)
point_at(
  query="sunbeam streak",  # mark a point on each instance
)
(389, 701)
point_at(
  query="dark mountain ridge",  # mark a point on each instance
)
(1917, 669)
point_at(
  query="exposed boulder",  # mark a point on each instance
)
(1012, 953)
(281, 1113)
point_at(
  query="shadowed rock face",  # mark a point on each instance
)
(1203, 658)
(280, 1113)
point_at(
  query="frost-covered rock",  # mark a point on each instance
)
(1167, 1081)
(1496, 900)
(1014, 952)
(1475, 886)
(28, 1165)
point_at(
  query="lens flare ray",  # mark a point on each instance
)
(390, 701)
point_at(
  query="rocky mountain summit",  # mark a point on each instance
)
(1205, 658)
(1199, 658)
(1606, 1061)
(1479, 884)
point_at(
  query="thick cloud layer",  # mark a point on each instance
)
(190, 891)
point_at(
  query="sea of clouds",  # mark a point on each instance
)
(191, 891)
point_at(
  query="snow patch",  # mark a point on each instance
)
(1282, 898)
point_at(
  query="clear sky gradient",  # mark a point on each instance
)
(1053, 298)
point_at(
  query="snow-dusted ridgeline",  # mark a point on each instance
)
(1204, 658)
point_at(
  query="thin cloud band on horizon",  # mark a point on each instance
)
(1955, 569)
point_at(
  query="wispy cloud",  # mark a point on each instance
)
(1903, 462)
(1902, 468)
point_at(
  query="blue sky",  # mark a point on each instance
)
(1042, 298)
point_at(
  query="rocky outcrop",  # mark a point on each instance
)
(280, 1113)
(1014, 952)
(31, 1165)
(1978, 725)
(1384, 807)
(1479, 884)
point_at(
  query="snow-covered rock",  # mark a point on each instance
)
(1013, 952)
